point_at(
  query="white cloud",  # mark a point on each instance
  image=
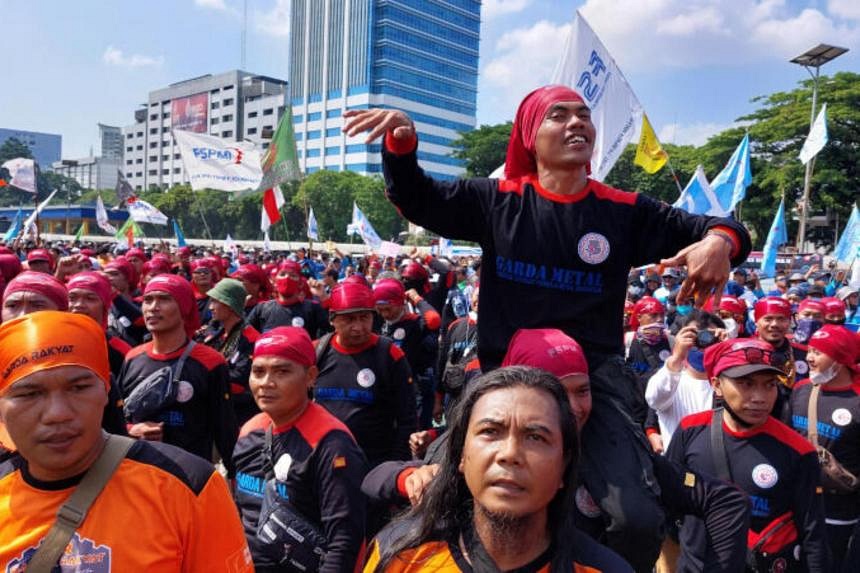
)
(522, 60)
(794, 35)
(848, 9)
(494, 8)
(115, 57)
(275, 22)
(213, 4)
(696, 134)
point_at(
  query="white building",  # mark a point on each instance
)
(235, 105)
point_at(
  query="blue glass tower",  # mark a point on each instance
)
(420, 56)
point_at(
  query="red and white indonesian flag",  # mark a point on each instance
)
(23, 173)
(273, 200)
(215, 163)
(588, 67)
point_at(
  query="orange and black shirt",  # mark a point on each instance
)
(163, 510)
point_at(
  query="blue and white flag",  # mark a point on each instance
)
(730, 186)
(776, 237)
(817, 138)
(698, 198)
(180, 236)
(848, 247)
(15, 228)
(313, 229)
(142, 212)
(364, 229)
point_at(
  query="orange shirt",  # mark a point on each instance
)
(163, 510)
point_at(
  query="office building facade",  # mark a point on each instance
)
(235, 105)
(420, 56)
(111, 141)
(45, 147)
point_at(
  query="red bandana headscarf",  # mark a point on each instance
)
(42, 283)
(520, 160)
(180, 289)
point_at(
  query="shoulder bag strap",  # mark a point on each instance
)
(718, 447)
(812, 416)
(73, 513)
(322, 346)
(180, 364)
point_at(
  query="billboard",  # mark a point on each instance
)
(190, 113)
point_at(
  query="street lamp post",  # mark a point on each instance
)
(811, 60)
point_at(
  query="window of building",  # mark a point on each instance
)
(153, 158)
(215, 91)
(165, 129)
(165, 171)
(165, 115)
(252, 130)
(165, 143)
(154, 116)
(215, 105)
(314, 116)
(228, 101)
(130, 148)
(228, 117)
(139, 174)
(176, 156)
(177, 170)
(266, 145)
(153, 171)
(298, 118)
(140, 134)
(314, 134)
(214, 121)
(252, 114)
(153, 145)
(165, 157)
(269, 111)
(128, 174)
(139, 147)
(333, 132)
(226, 88)
(153, 131)
(228, 133)
(333, 113)
(129, 162)
(129, 135)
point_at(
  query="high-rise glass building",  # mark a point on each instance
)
(420, 56)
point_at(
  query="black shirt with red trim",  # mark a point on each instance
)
(838, 432)
(308, 314)
(417, 335)
(777, 469)
(203, 413)
(323, 483)
(370, 390)
(551, 260)
(236, 347)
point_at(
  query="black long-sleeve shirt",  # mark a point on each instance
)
(203, 413)
(323, 483)
(776, 468)
(307, 314)
(550, 260)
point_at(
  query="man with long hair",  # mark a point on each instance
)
(503, 494)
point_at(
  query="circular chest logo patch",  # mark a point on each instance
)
(841, 417)
(801, 367)
(585, 504)
(593, 248)
(298, 321)
(664, 355)
(399, 334)
(765, 476)
(365, 378)
(184, 392)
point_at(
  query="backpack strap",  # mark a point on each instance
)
(73, 513)
(812, 416)
(180, 364)
(718, 447)
(323, 345)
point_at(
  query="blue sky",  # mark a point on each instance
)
(694, 64)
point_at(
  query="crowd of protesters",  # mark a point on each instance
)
(528, 410)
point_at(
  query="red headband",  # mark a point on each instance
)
(838, 343)
(288, 342)
(772, 305)
(645, 305)
(181, 291)
(520, 160)
(548, 349)
(833, 305)
(41, 283)
(732, 305)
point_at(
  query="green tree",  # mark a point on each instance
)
(483, 149)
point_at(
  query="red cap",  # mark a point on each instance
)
(732, 304)
(520, 160)
(136, 253)
(772, 305)
(838, 343)
(548, 349)
(288, 342)
(290, 266)
(833, 305)
(180, 289)
(739, 357)
(42, 283)
(356, 278)
(40, 255)
(812, 304)
(350, 297)
(389, 291)
(645, 305)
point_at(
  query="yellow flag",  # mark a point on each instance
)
(649, 155)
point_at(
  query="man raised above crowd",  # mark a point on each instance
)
(561, 246)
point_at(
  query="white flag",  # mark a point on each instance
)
(267, 244)
(587, 67)
(313, 228)
(215, 163)
(363, 227)
(30, 223)
(142, 212)
(23, 173)
(817, 138)
(102, 217)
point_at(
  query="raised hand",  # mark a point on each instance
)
(377, 121)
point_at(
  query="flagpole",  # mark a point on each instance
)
(674, 177)
(202, 216)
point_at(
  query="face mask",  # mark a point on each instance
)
(651, 333)
(731, 327)
(286, 286)
(684, 309)
(806, 327)
(826, 376)
(696, 359)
